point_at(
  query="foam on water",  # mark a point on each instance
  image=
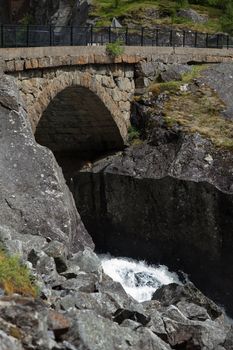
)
(139, 279)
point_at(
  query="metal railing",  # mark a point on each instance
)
(45, 35)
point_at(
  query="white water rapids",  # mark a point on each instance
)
(139, 279)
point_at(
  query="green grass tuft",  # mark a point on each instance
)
(15, 277)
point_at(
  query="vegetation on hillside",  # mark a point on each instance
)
(143, 12)
(15, 277)
(196, 109)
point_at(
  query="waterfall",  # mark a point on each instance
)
(139, 279)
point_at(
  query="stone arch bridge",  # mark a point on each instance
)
(79, 98)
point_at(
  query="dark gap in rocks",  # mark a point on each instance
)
(78, 128)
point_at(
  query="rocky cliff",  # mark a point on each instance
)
(34, 198)
(79, 307)
(60, 12)
(169, 197)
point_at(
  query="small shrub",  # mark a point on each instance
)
(115, 49)
(15, 277)
(133, 134)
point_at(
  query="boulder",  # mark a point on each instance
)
(87, 261)
(173, 294)
(192, 15)
(34, 198)
(174, 72)
(93, 332)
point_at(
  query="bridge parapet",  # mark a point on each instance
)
(20, 59)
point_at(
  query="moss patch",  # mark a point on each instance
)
(15, 277)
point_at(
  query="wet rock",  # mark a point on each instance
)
(174, 293)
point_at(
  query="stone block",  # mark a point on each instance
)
(10, 65)
(19, 65)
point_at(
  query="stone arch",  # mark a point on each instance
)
(77, 119)
(53, 87)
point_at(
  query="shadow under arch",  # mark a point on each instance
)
(77, 126)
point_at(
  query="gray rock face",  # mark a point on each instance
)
(174, 293)
(192, 15)
(220, 78)
(34, 197)
(60, 13)
(88, 313)
(149, 202)
(174, 72)
(169, 199)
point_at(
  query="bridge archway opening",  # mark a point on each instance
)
(77, 127)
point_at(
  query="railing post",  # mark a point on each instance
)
(109, 34)
(227, 41)
(27, 36)
(157, 37)
(207, 40)
(171, 37)
(86, 36)
(2, 35)
(195, 42)
(142, 36)
(217, 41)
(71, 36)
(91, 35)
(184, 34)
(126, 36)
(50, 35)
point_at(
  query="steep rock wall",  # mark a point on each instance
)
(33, 195)
(60, 12)
(169, 203)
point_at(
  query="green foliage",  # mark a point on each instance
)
(227, 18)
(133, 135)
(27, 19)
(134, 11)
(115, 49)
(182, 3)
(116, 3)
(15, 277)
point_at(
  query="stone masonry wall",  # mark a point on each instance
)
(113, 84)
